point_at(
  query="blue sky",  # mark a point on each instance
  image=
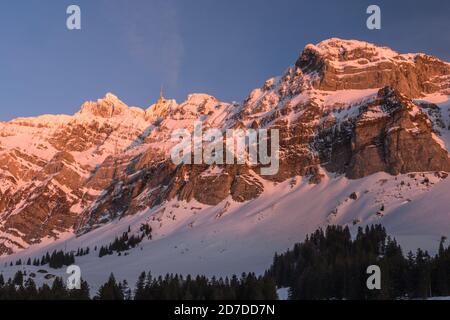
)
(224, 48)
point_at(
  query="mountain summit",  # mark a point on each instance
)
(350, 64)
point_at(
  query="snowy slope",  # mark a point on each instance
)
(198, 241)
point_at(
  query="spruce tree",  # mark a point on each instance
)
(80, 294)
(110, 290)
(139, 293)
(58, 290)
(18, 278)
(30, 290)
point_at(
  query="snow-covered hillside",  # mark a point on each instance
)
(231, 238)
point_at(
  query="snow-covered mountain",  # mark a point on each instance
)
(364, 138)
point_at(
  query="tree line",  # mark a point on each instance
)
(331, 265)
(20, 289)
(55, 260)
(126, 242)
(170, 287)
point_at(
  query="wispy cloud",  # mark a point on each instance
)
(151, 32)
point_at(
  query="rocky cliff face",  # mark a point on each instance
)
(346, 106)
(347, 64)
(389, 134)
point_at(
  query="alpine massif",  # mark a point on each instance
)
(364, 139)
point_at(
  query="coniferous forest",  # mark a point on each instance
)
(329, 264)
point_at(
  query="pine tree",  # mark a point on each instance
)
(45, 293)
(126, 290)
(110, 290)
(18, 278)
(139, 293)
(80, 294)
(30, 290)
(58, 290)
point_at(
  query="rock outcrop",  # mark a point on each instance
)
(389, 134)
(348, 64)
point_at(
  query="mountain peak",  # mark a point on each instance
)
(110, 105)
(161, 108)
(111, 97)
(339, 64)
(338, 49)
